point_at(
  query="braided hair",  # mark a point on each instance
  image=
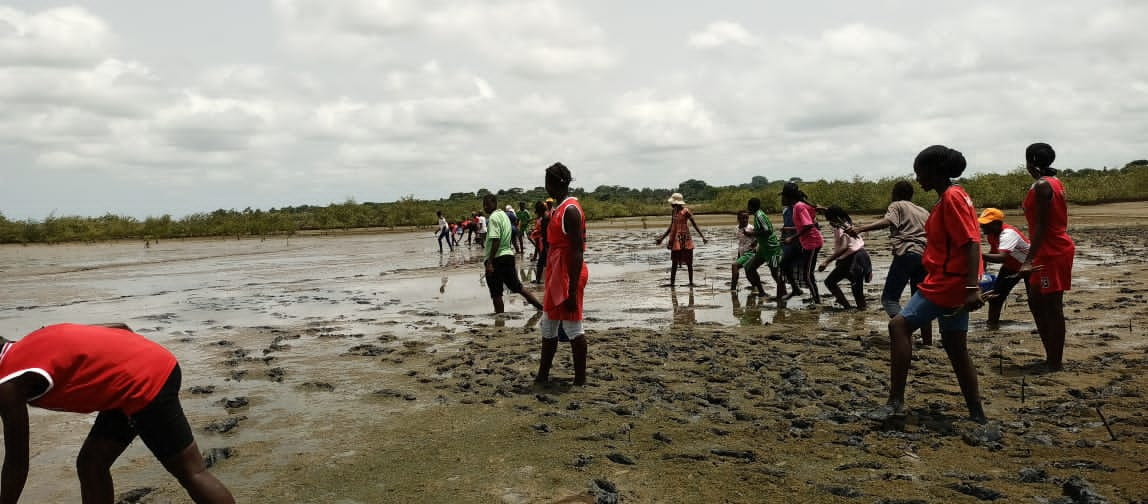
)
(938, 158)
(1040, 155)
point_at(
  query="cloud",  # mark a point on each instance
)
(60, 37)
(722, 34)
(651, 121)
(534, 38)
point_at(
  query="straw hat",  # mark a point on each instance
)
(676, 199)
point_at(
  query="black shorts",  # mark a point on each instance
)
(504, 274)
(161, 424)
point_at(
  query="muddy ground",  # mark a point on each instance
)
(695, 395)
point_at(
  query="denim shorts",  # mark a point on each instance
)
(920, 311)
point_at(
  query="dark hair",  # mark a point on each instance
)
(836, 213)
(1041, 156)
(903, 191)
(559, 174)
(539, 207)
(438, 213)
(491, 199)
(753, 204)
(940, 159)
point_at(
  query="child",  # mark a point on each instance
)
(131, 381)
(746, 246)
(681, 243)
(852, 260)
(768, 251)
(1009, 247)
(806, 233)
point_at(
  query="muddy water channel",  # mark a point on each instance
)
(368, 368)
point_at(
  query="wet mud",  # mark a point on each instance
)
(348, 369)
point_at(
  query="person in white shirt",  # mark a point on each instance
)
(853, 261)
(1009, 247)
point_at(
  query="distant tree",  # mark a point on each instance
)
(758, 182)
(693, 190)
(481, 193)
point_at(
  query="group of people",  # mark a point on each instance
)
(476, 228)
(937, 254)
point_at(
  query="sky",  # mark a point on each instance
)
(144, 108)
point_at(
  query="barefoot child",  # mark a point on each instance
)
(852, 263)
(767, 252)
(745, 246)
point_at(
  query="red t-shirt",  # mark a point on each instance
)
(951, 225)
(804, 215)
(1056, 241)
(89, 368)
(558, 264)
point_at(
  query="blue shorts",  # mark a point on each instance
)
(921, 311)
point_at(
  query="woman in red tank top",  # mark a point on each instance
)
(566, 276)
(1049, 262)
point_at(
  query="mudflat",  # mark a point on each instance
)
(365, 369)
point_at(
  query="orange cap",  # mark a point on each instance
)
(990, 215)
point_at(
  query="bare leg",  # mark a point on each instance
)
(498, 305)
(955, 344)
(187, 466)
(673, 273)
(734, 277)
(94, 465)
(549, 348)
(900, 355)
(530, 298)
(690, 270)
(578, 346)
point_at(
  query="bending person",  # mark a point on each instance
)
(1009, 247)
(131, 381)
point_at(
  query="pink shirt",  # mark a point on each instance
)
(803, 216)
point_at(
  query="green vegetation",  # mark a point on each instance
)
(1086, 186)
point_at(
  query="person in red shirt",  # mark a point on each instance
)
(1049, 262)
(951, 289)
(1007, 246)
(566, 276)
(134, 385)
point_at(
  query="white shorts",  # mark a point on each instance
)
(562, 330)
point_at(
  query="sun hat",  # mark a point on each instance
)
(676, 199)
(990, 215)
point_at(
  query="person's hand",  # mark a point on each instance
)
(851, 231)
(658, 241)
(571, 304)
(1027, 269)
(704, 240)
(788, 241)
(823, 265)
(974, 300)
(489, 267)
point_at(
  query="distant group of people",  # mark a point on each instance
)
(476, 228)
(937, 254)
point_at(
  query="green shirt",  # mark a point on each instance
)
(767, 242)
(525, 220)
(498, 228)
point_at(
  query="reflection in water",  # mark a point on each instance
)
(751, 313)
(442, 288)
(683, 315)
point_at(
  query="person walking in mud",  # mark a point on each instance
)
(443, 232)
(906, 223)
(525, 226)
(852, 260)
(807, 234)
(767, 252)
(566, 276)
(498, 258)
(681, 243)
(1051, 251)
(1009, 248)
(540, 238)
(134, 385)
(790, 252)
(745, 247)
(951, 288)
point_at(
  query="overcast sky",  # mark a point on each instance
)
(138, 107)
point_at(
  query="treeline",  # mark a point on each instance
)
(1087, 186)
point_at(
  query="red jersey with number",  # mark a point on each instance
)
(89, 368)
(558, 263)
(951, 226)
(1056, 241)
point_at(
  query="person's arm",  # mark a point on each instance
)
(695, 224)
(115, 325)
(840, 247)
(881, 223)
(660, 238)
(572, 225)
(14, 412)
(995, 258)
(973, 300)
(1037, 234)
(493, 243)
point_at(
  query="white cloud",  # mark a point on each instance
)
(61, 37)
(721, 34)
(657, 122)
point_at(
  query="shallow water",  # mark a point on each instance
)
(206, 299)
